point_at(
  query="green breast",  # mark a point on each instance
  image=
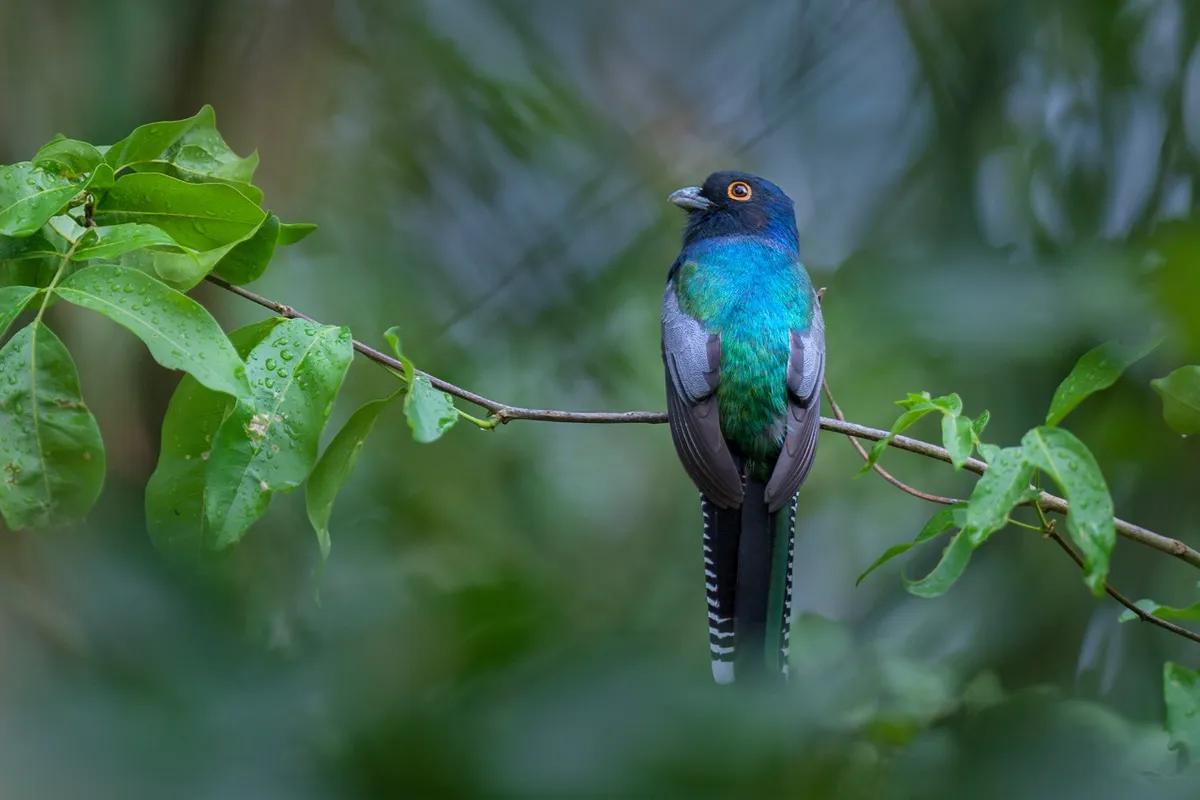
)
(753, 296)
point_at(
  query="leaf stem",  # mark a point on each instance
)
(48, 292)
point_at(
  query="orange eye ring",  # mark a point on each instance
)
(739, 191)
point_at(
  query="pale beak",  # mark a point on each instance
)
(690, 199)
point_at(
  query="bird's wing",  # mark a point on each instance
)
(806, 371)
(693, 360)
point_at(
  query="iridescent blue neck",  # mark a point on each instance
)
(776, 230)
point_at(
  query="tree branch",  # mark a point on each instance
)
(1046, 528)
(503, 413)
(1140, 613)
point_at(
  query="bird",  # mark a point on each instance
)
(743, 346)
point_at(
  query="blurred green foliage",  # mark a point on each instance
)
(988, 190)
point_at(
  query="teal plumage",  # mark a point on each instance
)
(744, 349)
(753, 293)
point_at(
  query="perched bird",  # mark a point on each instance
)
(743, 344)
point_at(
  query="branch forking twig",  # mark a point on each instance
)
(503, 413)
(1046, 528)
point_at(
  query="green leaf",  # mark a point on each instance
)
(247, 260)
(292, 232)
(239, 262)
(945, 519)
(270, 444)
(180, 270)
(331, 472)
(948, 404)
(392, 335)
(13, 300)
(111, 241)
(916, 407)
(201, 154)
(953, 562)
(200, 216)
(958, 436)
(980, 425)
(176, 491)
(1180, 392)
(1154, 609)
(148, 142)
(247, 190)
(906, 420)
(197, 154)
(1004, 486)
(30, 196)
(178, 331)
(998, 491)
(1181, 692)
(1096, 370)
(430, 411)
(1059, 454)
(28, 260)
(51, 454)
(70, 158)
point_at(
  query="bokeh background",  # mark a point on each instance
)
(982, 186)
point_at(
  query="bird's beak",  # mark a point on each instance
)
(690, 199)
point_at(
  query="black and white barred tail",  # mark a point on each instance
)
(748, 586)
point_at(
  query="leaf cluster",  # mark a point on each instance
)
(125, 231)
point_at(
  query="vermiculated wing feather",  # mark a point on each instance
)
(806, 372)
(692, 358)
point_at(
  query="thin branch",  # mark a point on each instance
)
(503, 413)
(1140, 613)
(1046, 528)
(883, 473)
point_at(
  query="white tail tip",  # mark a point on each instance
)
(722, 671)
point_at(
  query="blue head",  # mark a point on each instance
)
(737, 204)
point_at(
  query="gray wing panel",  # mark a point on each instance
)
(806, 372)
(692, 358)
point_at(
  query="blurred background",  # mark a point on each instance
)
(987, 189)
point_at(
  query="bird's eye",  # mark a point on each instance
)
(739, 190)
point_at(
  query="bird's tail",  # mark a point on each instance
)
(748, 582)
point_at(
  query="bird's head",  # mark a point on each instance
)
(737, 204)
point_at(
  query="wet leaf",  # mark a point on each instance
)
(1096, 370)
(177, 330)
(175, 493)
(51, 454)
(13, 300)
(247, 260)
(270, 442)
(958, 437)
(70, 158)
(30, 196)
(148, 142)
(202, 154)
(1072, 466)
(996, 493)
(430, 411)
(1004, 486)
(111, 241)
(28, 260)
(200, 216)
